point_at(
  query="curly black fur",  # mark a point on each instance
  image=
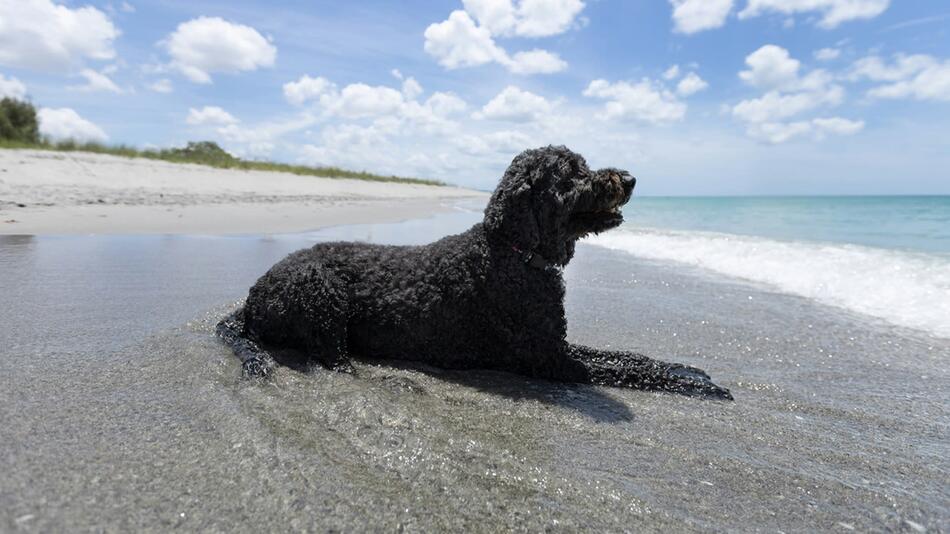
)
(490, 298)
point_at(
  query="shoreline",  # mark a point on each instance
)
(74, 193)
(215, 219)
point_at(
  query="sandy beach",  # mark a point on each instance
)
(44, 192)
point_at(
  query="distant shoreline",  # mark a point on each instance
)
(50, 192)
(209, 154)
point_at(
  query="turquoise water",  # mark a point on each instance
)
(920, 223)
(882, 257)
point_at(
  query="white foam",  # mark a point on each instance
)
(905, 288)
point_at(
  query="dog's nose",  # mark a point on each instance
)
(629, 182)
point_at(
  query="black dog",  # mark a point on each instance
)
(489, 298)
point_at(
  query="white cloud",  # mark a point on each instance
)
(788, 94)
(445, 104)
(779, 132)
(348, 145)
(541, 18)
(691, 16)
(839, 126)
(502, 142)
(306, 89)
(210, 115)
(496, 16)
(380, 103)
(507, 141)
(516, 105)
(359, 100)
(206, 45)
(535, 61)
(387, 146)
(921, 77)
(834, 12)
(930, 85)
(827, 54)
(11, 87)
(525, 18)
(96, 82)
(691, 84)
(163, 85)
(774, 105)
(411, 89)
(671, 73)
(770, 67)
(126, 7)
(391, 112)
(876, 69)
(65, 123)
(644, 101)
(41, 35)
(459, 42)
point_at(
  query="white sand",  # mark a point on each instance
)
(45, 192)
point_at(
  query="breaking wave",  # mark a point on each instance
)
(904, 288)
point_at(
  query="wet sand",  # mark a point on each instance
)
(122, 411)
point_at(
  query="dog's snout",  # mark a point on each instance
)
(629, 182)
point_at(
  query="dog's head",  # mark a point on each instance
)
(548, 199)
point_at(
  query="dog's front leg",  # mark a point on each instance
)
(628, 369)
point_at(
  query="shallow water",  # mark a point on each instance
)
(887, 257)
(919, 223)
(121, 410)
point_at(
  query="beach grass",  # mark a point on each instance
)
(208, 153)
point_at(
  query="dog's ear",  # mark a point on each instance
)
(510, 215)
(516, 205)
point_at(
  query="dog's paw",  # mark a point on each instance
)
(693, 382)
(255, 368)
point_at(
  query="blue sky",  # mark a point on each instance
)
(695, 97)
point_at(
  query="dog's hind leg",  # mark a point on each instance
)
(324, 332)
(628, 369)
(315, 312)
(301, 309)
(255, 361)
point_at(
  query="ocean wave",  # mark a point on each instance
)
(904, 288)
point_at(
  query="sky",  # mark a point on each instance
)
(694, 97)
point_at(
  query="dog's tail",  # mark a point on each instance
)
(254, 360)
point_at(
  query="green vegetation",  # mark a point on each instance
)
(18, 121)
(19, 129)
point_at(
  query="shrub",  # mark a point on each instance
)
(207, 152)
(198, 152)
(18, 121)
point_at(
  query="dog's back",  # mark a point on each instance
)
(388, 301)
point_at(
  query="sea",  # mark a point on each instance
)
(883, 256)
(827, 317)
